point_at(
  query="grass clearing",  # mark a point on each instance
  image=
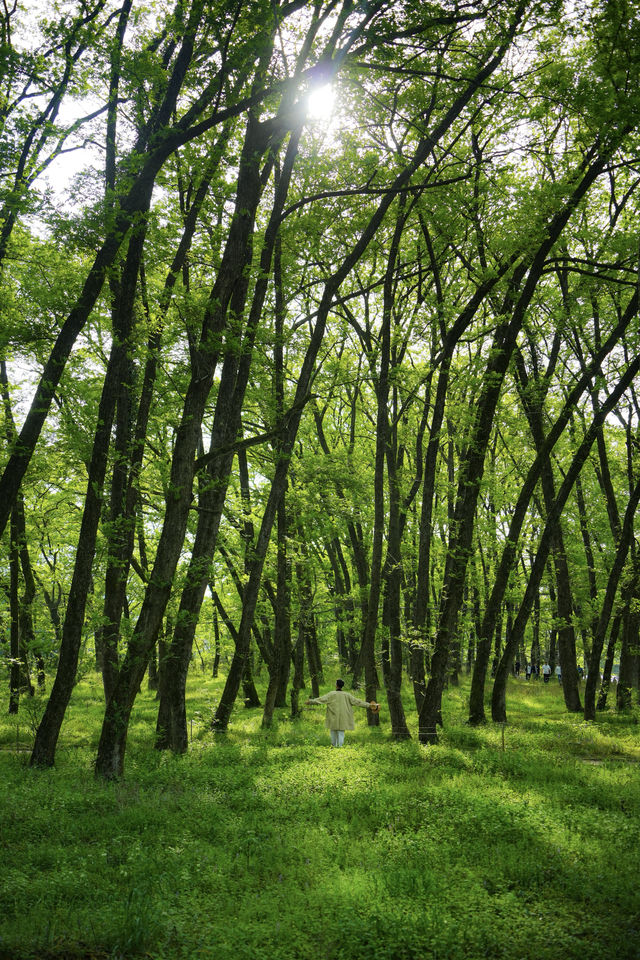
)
(270, 844)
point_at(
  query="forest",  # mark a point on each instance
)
(319, 357)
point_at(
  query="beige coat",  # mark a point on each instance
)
(340, 705)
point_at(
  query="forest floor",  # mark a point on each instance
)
(269, 845)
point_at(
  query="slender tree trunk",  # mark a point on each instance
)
(393, 577)
(279, 668)
(629, 647)
(152, 678)
(216, 640)
(608, 663)
(44, 747)
(121, 529)
(615, 574)
(298, 674)
(27, 640)
(163, 720)
(249, 692)
(14, 614)
(307, 623)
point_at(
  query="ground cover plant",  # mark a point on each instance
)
(515, 842)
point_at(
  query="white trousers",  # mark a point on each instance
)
(337, 738)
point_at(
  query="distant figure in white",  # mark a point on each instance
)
(340, 705)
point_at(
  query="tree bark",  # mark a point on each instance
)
(46, 739)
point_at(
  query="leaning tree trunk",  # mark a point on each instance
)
(47, 734)
(461, 536)
(121, 528)
(282, 630)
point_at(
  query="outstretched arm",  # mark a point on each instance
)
(363, 703)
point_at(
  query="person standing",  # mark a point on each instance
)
(340, 704)
(546, 672)
(559, 673)
(528, 670)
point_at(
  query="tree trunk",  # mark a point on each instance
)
(306, 621)
(121, 528)
(216, 639)
(14, 614)
(231, 283)
(249, 693)
(625, 534)
(152, 676)
(298, 674)
(608, 663)
(627, 676)
(393, 583)
(280, 665)
(44, 747)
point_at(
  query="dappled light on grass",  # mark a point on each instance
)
(269, 843)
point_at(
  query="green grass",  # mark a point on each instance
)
(271, 845)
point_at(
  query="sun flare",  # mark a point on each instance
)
(320, 102)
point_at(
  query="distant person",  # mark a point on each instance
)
(559, 673)
(546, 672)
(516, 668)
(580, 674)
(340, 705)
(528, 670)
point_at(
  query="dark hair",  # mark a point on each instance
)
(339, 684)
